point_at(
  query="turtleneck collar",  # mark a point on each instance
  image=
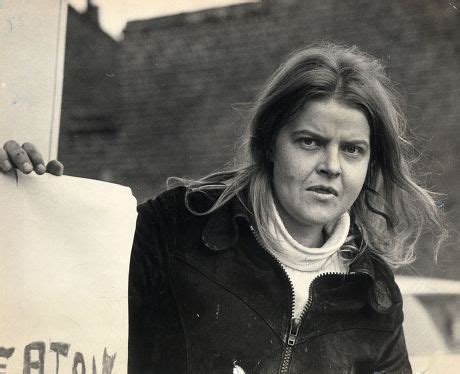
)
(297, 256)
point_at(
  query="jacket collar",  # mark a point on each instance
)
(222, 232)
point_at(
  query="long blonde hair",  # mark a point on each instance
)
(393, 209)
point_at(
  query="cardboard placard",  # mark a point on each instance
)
(65, 245)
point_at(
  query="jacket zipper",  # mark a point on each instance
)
(295, 323)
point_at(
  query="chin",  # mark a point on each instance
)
(320, 218)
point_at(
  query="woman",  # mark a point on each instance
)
(283, 264)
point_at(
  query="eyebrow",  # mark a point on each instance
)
(325, 139)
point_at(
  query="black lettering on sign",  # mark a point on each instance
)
(78, 360)
(60, 349)
(6, 352)
(107, 363)
(40, 364)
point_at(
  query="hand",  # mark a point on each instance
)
(26, 159)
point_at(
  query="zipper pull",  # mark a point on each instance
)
(294, 326)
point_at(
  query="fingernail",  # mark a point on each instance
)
(41, 168)
(27, 167)
(6, 165)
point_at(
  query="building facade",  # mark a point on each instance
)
(185, 83)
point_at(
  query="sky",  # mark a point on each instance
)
(113, 14)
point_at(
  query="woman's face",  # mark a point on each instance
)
(320, 161)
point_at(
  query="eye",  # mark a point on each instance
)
(309, 142)
(353, 150)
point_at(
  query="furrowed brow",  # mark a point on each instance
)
(310, 133)
(361, 142)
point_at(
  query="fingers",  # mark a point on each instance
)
(55, 167)
(5, 163)
(26, 159)
(18, 156)
(36, 158)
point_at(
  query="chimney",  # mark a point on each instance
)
(92, 12)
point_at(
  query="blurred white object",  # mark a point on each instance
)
(432, 323)
(237, 369)
(32, 37)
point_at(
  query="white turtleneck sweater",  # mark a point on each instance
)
(303, 264)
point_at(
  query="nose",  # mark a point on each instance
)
(329, 165)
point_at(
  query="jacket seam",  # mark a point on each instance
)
(179, 257)
(388, 331)
(187, 361)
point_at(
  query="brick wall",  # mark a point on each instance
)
(185, 80)
(90, 96)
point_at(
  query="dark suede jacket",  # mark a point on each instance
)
(205, 296)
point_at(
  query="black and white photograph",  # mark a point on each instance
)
(229, 186)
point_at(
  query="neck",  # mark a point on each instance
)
(311, 236)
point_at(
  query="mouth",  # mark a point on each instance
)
(326, 190)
